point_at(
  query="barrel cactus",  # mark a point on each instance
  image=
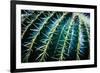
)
(54, 36)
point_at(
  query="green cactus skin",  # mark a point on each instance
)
(54, 36)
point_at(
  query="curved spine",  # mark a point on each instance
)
(66, 39)
(33, 40)
(43, 55)
(30, 24)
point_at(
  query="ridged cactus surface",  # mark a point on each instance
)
(54, 36)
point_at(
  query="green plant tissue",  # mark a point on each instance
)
(54, 36)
